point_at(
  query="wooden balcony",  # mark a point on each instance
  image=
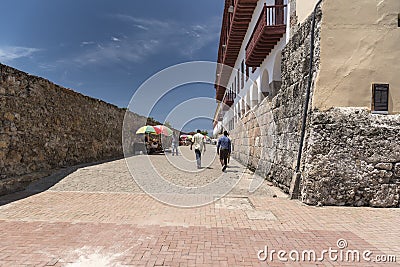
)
(229, 99)
(269, 29)
(235, 31)
(236, 19)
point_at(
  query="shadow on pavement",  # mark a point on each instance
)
(45, 183)
(206, 168)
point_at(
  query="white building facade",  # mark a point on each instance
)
(253, 77)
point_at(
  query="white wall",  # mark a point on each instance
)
(305, 7)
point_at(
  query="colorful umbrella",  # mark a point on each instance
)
(146, 129)
(161, 129)
(185, 136)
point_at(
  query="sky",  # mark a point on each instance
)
(107, 49)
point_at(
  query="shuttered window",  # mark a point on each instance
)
(238, 80)
(242, 73)
(380, 97)
(398, 20)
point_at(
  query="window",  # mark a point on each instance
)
(236, 89)
(238, 80)
(398, 20)
(242, 72)
(247, 72)
(380, 98)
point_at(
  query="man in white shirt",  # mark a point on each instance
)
(199, 147)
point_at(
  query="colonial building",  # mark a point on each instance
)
(310, 91)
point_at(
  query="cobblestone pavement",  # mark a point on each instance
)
(98, 216)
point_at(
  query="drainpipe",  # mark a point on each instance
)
(295, 184)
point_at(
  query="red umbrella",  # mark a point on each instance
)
(161, 129)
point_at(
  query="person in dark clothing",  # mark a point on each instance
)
(224, 149)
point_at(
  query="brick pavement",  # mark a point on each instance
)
(97, 216)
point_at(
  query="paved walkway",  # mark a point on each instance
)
(98, 216)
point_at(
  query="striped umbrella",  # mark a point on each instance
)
(185, 136)
(162, 129)
(146, 129)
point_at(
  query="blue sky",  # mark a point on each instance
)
(107, 49)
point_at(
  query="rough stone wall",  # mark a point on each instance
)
(350, 156)
(353, 158)
(293, 16)
(267, 138)
(46, 127)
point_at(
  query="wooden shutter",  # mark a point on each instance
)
(380, 97)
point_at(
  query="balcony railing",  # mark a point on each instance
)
(236, 19)
(220, 116)
(229, 98)
(268, 31)
(236, 22)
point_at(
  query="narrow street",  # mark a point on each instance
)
(98, 216)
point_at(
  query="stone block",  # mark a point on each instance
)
(339, 156)
(9, 116)
(397, 169)
(3, 144)
(386, 196)
(384, 166)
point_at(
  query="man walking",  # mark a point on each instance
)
(175, 144)
(224, 150)
(199, 146)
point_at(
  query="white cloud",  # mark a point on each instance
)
(141, 27)
(158, 36)
(200, 36)
(10, 53)
(144, 22)
(87, 43)
(47, 66)
(186, 39)
(125, 50)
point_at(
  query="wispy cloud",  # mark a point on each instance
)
(125, 50)
(47, 66)
(200, 36)
(144, 22)
(10, 53)
(87, 43)
(157, 36)
(141, 27)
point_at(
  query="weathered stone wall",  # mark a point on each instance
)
(350, 156)
(267, 138)
(353, 158)
(45, 127)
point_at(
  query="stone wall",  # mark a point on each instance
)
(353, 158)
(350, 156)
(267, 137)
(45, 127)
